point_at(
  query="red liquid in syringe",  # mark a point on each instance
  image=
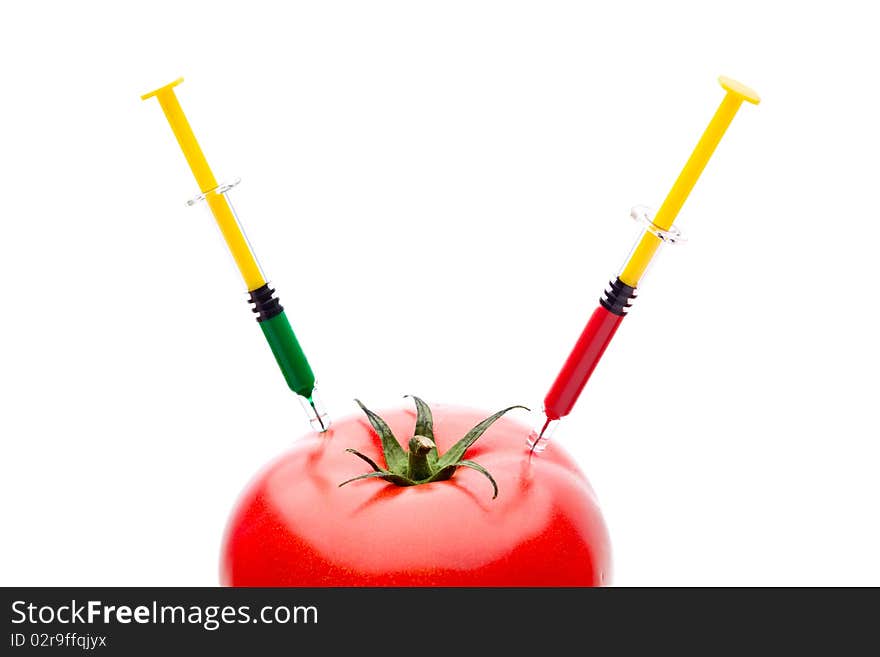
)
(580, 363)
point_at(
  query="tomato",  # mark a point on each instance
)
(294, 525)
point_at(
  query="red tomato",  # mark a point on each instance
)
(295, 526)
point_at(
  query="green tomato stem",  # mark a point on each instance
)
(419, 467)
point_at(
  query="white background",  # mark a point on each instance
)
(440, 191)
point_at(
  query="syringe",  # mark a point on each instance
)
(270, 314)
(618, 296)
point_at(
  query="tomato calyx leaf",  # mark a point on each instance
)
(388, 476)
(422, 464)
(365, 458)
(395, 457)
(458, 449)
(473, 465)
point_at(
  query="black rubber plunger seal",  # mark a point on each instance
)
(618, 297)
(265, 304)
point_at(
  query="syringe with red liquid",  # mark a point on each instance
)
(619, 294)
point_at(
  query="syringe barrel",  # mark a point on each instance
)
(225, 216)
(588, 350)
(282, 340)
(651, 237)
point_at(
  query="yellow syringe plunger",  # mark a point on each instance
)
(217, 201)
(643, 252)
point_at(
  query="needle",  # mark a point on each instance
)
(270, 314)
(618, 296)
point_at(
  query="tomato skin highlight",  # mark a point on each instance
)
(294, 525)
